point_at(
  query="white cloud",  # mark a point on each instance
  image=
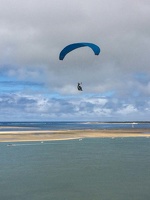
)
(127, 109)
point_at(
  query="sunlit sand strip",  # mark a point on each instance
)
(47, 135)
(17, 127)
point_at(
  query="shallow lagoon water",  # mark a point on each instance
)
(90, 169)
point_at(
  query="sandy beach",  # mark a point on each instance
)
(45, 135)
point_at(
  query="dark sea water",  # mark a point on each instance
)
(5, 126)
(89, 169)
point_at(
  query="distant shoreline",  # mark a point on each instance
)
(49, 135)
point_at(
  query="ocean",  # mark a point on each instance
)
(8, 126)
(87, 169)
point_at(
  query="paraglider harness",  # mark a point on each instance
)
(79, 87)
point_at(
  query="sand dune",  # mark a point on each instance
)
(38, 135)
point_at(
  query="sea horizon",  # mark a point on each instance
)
(71, 125)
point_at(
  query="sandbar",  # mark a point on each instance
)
(48, 135)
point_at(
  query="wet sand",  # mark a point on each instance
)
(47, 135)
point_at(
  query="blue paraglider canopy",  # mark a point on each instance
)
(74, 46)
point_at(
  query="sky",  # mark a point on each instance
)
(36, 86)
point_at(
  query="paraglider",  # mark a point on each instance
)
(74, 46)
(79, 87)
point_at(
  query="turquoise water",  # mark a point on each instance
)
(91, 169)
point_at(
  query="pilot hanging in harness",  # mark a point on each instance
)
(79, 87)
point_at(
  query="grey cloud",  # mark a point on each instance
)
(20, 106)
(32, 33)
